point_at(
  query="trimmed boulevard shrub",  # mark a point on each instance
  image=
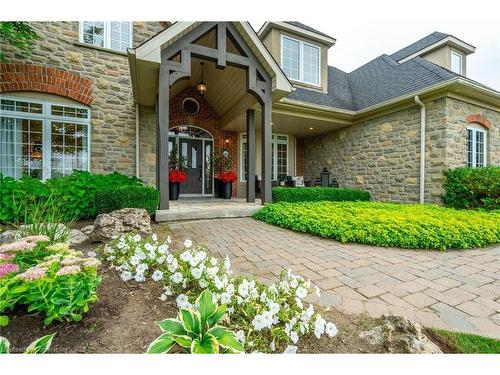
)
(472, 187)
(74, 194)
(135, 196)
(388, 224)
(313, 194)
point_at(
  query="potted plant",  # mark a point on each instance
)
(176, 173)
(225, 177)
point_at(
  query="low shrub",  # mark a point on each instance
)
(134, 196)
(74, 193)
(313, 194)
(49, 279)
(387, 224)
(472, 187)
(265, 318)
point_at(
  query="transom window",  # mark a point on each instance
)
(457, 62)
(107, 34)
(42, 139)
(300, 60)
(476, 146)
(279, 156)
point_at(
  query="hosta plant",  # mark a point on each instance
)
(39, 346)
(197, 330)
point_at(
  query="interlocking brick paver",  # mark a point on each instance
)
(454, 290)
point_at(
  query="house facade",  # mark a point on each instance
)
(118, 96)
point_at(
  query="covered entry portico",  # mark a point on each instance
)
(243, 81)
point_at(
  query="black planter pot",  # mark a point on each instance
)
(217, 188)
(173, 191)
(226, 189)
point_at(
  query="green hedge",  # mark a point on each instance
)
(472, 187)
(139, 196)
(387, 224)
(75, 194)
(313, 194)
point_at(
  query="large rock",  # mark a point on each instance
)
(77, 237)
(7, 236)
(397, 334)
(112, 225)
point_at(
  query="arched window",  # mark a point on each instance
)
(476, 145)
(43, 136)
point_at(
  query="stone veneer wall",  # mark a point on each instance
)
(206, 119)
(382, 155)
(113, 110)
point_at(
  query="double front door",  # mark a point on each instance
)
(198, 152)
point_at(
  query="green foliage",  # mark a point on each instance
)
(39, 346)
(53, 280)
(468, 343)
(135, 196)
(73, 195)
(472, 187)
(197, 330)
(386, 224)
(18, 34)
(314, 194)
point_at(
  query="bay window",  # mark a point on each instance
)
(107, 34)
(476, 146)
(300, 60)
(42, 139)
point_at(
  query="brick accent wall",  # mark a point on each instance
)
(105, 86)
(382, 155)
(206, 119)
(24, 77)
(300, 155)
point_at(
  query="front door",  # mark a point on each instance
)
(192, 149)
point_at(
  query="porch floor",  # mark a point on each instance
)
(207, 208)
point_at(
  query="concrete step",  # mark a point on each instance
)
(207, 211)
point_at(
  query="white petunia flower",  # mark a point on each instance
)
(139, 277)
(274, 307)
(163, 249)
(331, 329)
(240, 335)
(213, 262)
(157, 275)
(243, 289)
(196, 272)
(291, 349)
(169, 240)
(149, 247)
(294, 283)
(294, 336)
(212, 271)
(203, 284)
(126, 276)
(136, 238)
(227, 263)
(230, 289)
(154, 237)
(141, 268)
(301, 292)
(225, 298)
(188, 243)
(176, 278)
(230, 310)
(172, 267)
(318, 291)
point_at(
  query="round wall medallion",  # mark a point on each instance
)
(190, 106)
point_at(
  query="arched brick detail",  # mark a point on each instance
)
(477, 118)
(23, 77)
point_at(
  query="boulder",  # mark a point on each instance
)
(87, 229)
(7, 236)
(77, 237)
(397, 334)
(112, 225)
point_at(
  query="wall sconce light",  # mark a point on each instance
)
(226, 141)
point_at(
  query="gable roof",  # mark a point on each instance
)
(419, 45)
(307, 28)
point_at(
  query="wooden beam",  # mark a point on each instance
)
(250, 176)
(162, 152)
(221, 45)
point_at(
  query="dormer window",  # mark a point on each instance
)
(457, 62)
(300, 60)
(107, 34)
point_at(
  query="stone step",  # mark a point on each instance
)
(196, 212)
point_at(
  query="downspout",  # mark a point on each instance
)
(137, 140)
(422, 148)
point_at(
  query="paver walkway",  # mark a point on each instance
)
(457, 290)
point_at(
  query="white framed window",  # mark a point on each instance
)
(476, 146)
(43, 139)
(114, 35)
(457, 65)
(279, 155)
(301, 60)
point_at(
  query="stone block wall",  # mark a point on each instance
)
(111, 102)
(382, 155)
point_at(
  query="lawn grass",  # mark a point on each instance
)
(466, 343)
(387, 224)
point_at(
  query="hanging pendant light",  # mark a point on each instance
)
(201, 87)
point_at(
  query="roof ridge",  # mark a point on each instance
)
(424, 63)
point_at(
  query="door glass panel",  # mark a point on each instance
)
(194, 154)
(208, 167)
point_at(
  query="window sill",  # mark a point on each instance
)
(109, 50)
(305, 85)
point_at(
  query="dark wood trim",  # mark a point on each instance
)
(266, 149)
(250, 176)
(162, 152)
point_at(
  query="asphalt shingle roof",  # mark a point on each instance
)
(308, 28)
(377, 81)
(419, 45)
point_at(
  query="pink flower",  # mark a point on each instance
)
(17, 246)
(32, 273)
(8, 268)
(5, 256)
(35, 239)
(68, 270)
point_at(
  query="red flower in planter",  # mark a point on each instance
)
(176, 175)
(227, 176)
